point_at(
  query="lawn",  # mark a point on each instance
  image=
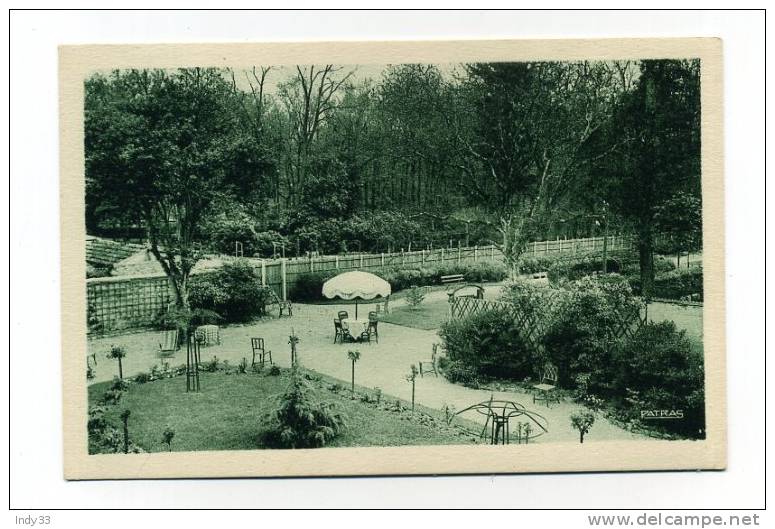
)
(229, 412)
(427, 316)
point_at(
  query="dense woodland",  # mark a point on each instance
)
(321, 158)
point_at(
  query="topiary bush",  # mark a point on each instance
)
(234, 292)
(301, 420)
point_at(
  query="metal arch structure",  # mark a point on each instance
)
(499, 414)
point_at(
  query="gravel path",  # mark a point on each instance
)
(384, 365)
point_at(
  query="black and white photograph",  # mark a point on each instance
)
(308, 257)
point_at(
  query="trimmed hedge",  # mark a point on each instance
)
(675, 284)
(308, 286)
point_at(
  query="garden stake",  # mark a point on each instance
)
(293, 340)
(192, 364)
(411, 378)
(125, 419)
(353, 356)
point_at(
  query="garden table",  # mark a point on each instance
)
(208, 334)
(356, 326)
(499, 414)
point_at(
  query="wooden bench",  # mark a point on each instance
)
(451, 279)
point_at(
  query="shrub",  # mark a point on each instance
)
(301, 420)
(142, 378)
(309, 286)
(234, 292)
(680, 283)
(98, 271)
(242, 367)
(582, 421)
(485, 271)
(414, 297)
(490, 343)
(529, 297)
(167, 436)
(574, 269)
(530, 264)
(659, 366)
(103, 437)
(580, 337)
(211, 366)
(459, 373)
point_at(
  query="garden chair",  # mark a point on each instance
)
(372, 328)
(342, 315)
(260, 351)
(546, 389)
(169, 343)
(285, 306)
(338, 333)
(427, 366)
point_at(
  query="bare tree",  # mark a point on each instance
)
(309, 99)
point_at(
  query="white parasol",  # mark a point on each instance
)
(356, 285)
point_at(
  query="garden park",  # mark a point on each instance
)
(324, 259)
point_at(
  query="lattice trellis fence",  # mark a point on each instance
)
(117, 303)
(533, 321)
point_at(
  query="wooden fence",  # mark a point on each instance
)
(135, 301)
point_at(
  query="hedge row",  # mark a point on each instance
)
(675, 284)
(308, 286)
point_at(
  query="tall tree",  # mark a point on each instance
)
(531, 128)
(309, 100)
(659, 122)
(161, 143)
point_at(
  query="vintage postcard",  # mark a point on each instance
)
(383, 258)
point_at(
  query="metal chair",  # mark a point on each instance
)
(372, 328)
(338, 333)
(546, 389)
(427, 366)
(342, 315)
(259, 350)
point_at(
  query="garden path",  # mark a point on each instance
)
(384, 365)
